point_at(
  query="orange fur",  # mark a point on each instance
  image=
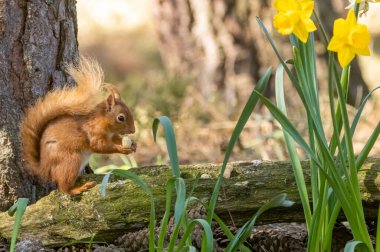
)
(61, 130)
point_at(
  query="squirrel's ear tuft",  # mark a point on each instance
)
(111, 88)
(110, 101)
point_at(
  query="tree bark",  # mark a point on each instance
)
(220, 46)
(36, 39)
(57, 218)
(216, 43)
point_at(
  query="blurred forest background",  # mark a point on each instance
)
(197, 62)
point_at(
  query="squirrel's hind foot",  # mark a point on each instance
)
(82, 188)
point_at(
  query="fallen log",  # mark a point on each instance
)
(57, 218)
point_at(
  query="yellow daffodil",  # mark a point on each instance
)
(349, 38)
(294, 17)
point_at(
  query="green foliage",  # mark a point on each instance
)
(18, 208)
(82, 242)
(119, 161)
(169, 96)
(170, 142)
(333, 165)
(245, 115)
(246, 230)
(183, 200)
(157, 93)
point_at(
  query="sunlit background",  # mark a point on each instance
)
(122, 35)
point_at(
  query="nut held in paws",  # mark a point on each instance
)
(126, 141)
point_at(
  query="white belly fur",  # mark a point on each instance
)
(85, 158)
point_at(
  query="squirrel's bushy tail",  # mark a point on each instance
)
(79, 100)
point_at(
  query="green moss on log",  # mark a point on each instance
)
(58, 218)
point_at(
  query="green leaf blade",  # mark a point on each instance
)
(19, 209)
(170, 139)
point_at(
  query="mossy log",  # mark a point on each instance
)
(58, 218)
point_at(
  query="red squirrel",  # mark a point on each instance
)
(61, 130)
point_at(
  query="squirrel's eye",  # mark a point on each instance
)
(121, 118)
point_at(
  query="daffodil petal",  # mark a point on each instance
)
(285, 5)
(351, 19)
(335, 44)
(301, 32)
(359, 36)
(345, 56)
(309, 25)
(362, 51)
(307, 7)
(340, 28)
(283, 24)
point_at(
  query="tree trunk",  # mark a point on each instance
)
(221, 47)
(55, 219)
(36, 39)
(216, 43)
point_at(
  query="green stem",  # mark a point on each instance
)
(345, 80)
(356, 9)
(321, 28)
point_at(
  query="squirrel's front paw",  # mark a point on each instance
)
(133, 146)
(128, 143)
(125, 150)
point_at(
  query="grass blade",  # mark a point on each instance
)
(132, 176)
(245, 115)
(170, 142)
(173, 237)
(246, 229)
(152, 218)
(227, 232)
(367, 147)
(19, 208)
(165, 218)
(360, 110)
(180, 201)
(297, 168)
(128, 161)
(288, 126)
(103, 187)
(173, 155)
(321, 28)
(183, 220)
(290, 74)
(351, 246)
(189, 249)
(91, 242)
(207, 234)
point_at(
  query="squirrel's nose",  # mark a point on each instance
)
(132, 130)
